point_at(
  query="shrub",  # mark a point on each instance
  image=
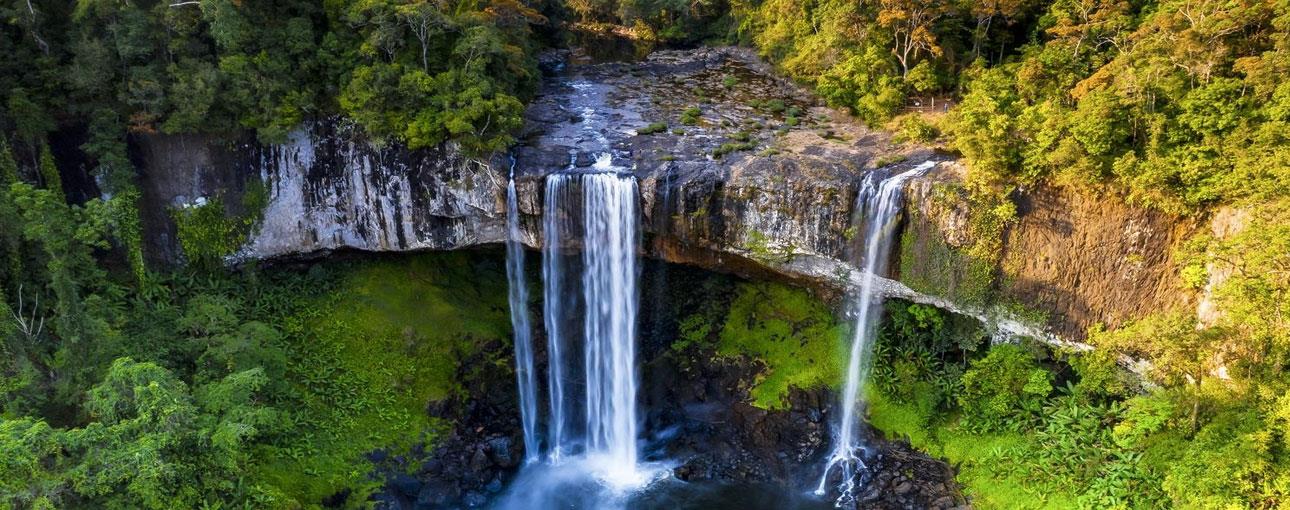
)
(913, 128)
(690, 116)
(1004, 391)
(654, 128)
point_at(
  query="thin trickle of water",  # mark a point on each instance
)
(553, 310)
(610, 291)
(526, 376)
(878, 205)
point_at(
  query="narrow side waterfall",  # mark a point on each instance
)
(609, 288)
(526, 376)
(554, 231)
(878, 205)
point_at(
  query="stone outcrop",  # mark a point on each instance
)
(760, 182)
(1076, 258)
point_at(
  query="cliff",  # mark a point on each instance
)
(738, 171)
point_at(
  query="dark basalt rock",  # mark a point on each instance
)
(723, 438)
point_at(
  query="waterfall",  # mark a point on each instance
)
(554, 232)
(518, 294)
(609, 288)
(878, 205)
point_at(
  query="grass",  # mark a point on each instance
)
(727, 148)
(370, 354)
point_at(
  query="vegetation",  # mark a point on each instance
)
(792, 334)
(1034, 428)
(417, 71)
(691, 116)
(653, 128)
(125, 386)
(206, 388)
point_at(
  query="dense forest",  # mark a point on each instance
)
(124, 385)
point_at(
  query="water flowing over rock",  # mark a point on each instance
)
(525, 371)
(555, 226)
(609, 284)
(599, 466)
(878, 208)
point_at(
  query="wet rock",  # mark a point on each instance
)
(474, 499)
(501, 452)
(407, 485)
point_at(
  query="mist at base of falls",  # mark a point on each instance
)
(568, 486)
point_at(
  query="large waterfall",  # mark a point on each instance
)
(610, 296)
(878, 206)
(591, 462)
(519, 298)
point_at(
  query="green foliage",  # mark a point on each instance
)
(691, 116)
(795, 336)
(419, 72)
(254, 390)
(866, 84)
(913, 128)
(1004, 391)
(49, 176)
(209, 232)
(653, 128)
(367, 355)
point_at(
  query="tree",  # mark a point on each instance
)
(912, 24)
(425, 19)
(866, 84)
(986, 11)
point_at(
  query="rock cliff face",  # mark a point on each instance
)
(327, 190)
(753, 179)
(1075, 258)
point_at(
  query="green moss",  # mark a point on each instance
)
(369, 354)
(795, 335)
(930, 265)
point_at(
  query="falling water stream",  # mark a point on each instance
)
(597, 464)
(878, 205)
(554, 231)
(519, 297)
(609, 327)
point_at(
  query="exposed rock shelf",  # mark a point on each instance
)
(762, 184)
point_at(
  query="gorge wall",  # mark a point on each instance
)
(761, 183)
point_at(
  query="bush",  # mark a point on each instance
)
(690, 116)
(913, 128)
(1004, 391)
(654, 128)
